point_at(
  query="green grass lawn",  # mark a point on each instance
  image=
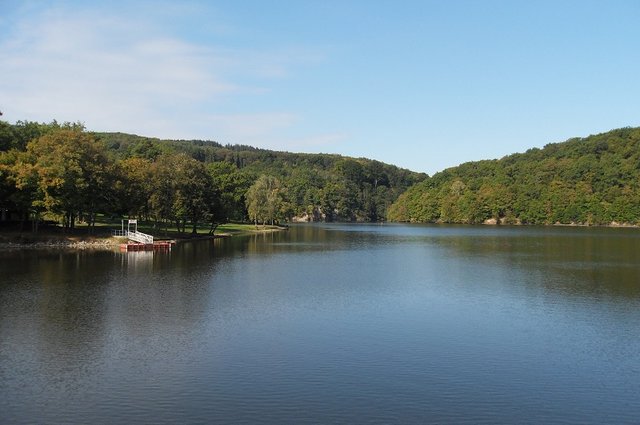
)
(172, 232)
(104, 229)
(244, 228)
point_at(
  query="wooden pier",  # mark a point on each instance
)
(139, 241)
(155, 246)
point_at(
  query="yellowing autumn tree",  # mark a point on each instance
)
(263, 200)
(67, 172)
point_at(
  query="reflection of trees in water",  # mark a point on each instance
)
(57, 302)
(581, 263)
(69, 304)
(313, 237)
(73, 302)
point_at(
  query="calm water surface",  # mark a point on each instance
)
(329, 324)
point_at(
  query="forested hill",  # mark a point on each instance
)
(63, 172)
(319, 186)
(592, 180)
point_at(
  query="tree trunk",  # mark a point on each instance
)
(22, 221)
(89, 220)
(34, 223)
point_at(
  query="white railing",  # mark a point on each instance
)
(140, 237)
(134, 236)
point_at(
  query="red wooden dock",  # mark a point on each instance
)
(155, 246)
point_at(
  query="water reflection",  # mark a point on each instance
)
(328, 323)
(138, 261)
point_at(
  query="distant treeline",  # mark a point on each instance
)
(63, 171)
(593, 180)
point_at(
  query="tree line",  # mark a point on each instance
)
(591, 181)
(64, 172)
(318, 187)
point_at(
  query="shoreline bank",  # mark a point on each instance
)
(44, 240)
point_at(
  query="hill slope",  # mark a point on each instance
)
(318, 186)
(592, 180)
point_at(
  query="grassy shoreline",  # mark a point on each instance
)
(79, 238)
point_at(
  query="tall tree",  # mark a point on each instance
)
(264, 199)
(135, 186)
(231, 186)
(64, 172)
(182, 190)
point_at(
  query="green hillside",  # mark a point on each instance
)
(593, 180)
(321, 186)
(63, 172)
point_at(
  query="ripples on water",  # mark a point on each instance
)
(329, 324)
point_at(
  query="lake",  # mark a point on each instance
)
(329, 324)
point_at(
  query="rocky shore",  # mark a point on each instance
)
(517, 222)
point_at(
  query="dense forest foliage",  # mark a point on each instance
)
(319, 186)
(62, 172)
(592, 180)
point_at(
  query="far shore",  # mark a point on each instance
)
(55, 238)
(503, 222)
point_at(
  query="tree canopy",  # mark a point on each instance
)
(313, 186)
(592, 180)
(66, 173)
(264, 199)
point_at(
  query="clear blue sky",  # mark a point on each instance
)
(422, 84)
